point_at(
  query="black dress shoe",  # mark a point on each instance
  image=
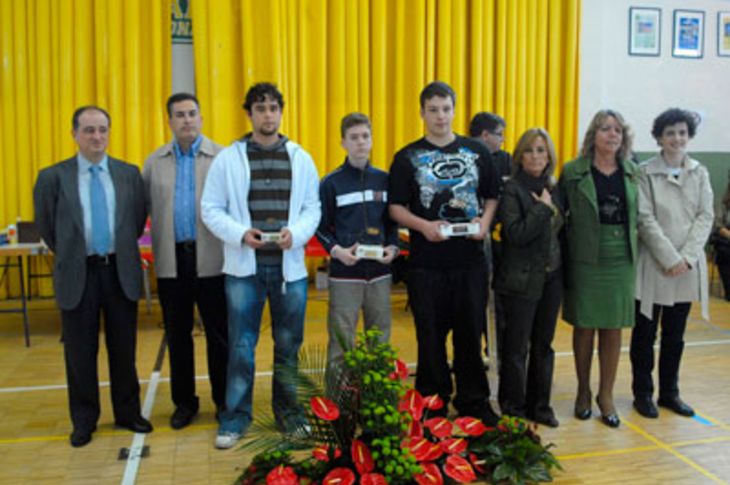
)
(645, 406)
(676, 405)
(182, 417)
(580, 412)
(137, 424)
(80, 437)
(611, 420)
(488, 416)
(547, 419)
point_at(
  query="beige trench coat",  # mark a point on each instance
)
(159, 180)
(675, 220)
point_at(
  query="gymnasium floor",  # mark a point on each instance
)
(34, 424)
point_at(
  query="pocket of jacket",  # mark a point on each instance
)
(514, 278)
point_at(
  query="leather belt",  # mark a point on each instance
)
(105, 260)
(187, 246)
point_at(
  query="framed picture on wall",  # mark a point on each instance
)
(723, 34)
(644, 31)
(689, 33)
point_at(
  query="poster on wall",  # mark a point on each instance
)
(723, 34)
(689, 33)
(644, 31)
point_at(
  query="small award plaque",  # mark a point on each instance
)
(270, 237)
(460, 229)
(369, 251)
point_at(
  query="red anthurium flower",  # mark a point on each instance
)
(339, 476)
(401, 370)
(433, 402)
(373, 479)
(282, 475)
(477, 463)
(412, 401)
(415, 429)
(431, 475)
(453, 445)
(459, 469)
(361, 457)
(322, 453)
(324, 408)
(434, 452)
(420, 448)
(439, 427)
(471, 426)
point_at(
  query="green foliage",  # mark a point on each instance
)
(514, 453)
(367, 392)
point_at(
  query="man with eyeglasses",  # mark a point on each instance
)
(489, 129)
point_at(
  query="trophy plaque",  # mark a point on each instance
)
(460, 229)
(369, 251)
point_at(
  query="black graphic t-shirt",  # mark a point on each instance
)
(447, 183)
(611, 196)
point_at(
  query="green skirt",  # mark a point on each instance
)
(601, 295)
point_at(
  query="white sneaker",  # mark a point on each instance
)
(227, 440)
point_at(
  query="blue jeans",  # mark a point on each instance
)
(287, 302)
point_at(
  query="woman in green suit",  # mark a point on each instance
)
(599, 190)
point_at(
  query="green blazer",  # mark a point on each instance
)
(582, 224)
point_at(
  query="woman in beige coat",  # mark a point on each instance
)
(675, 220)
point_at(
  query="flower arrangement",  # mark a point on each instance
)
(374, 429)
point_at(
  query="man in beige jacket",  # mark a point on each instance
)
(188, 258)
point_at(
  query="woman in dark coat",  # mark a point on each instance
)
(529, 279)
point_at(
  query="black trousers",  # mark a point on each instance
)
(723, 265)
(674, 321)
(526, 366)
(178, 297)
(451, 300)
(80, 326)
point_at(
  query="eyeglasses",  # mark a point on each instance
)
(498, 134)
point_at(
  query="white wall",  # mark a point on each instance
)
(642, 87)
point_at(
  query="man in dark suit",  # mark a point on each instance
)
(90, 211)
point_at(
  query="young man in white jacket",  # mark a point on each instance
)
(261, 198)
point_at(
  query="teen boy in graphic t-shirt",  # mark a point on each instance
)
(440, 179)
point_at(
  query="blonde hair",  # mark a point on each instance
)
(588, 150)
(525, 142)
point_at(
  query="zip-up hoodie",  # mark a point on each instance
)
(224, 207)
(355, 210)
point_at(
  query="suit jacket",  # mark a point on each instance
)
(159, 178)
(59, 218)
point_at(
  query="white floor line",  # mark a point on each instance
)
(135, 450)
(412, 365)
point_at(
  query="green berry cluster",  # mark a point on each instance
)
(371, 363)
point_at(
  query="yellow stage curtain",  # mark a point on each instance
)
(61, 54)
(518, 58)
(58, 55)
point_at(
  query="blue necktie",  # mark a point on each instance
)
(99, 214)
